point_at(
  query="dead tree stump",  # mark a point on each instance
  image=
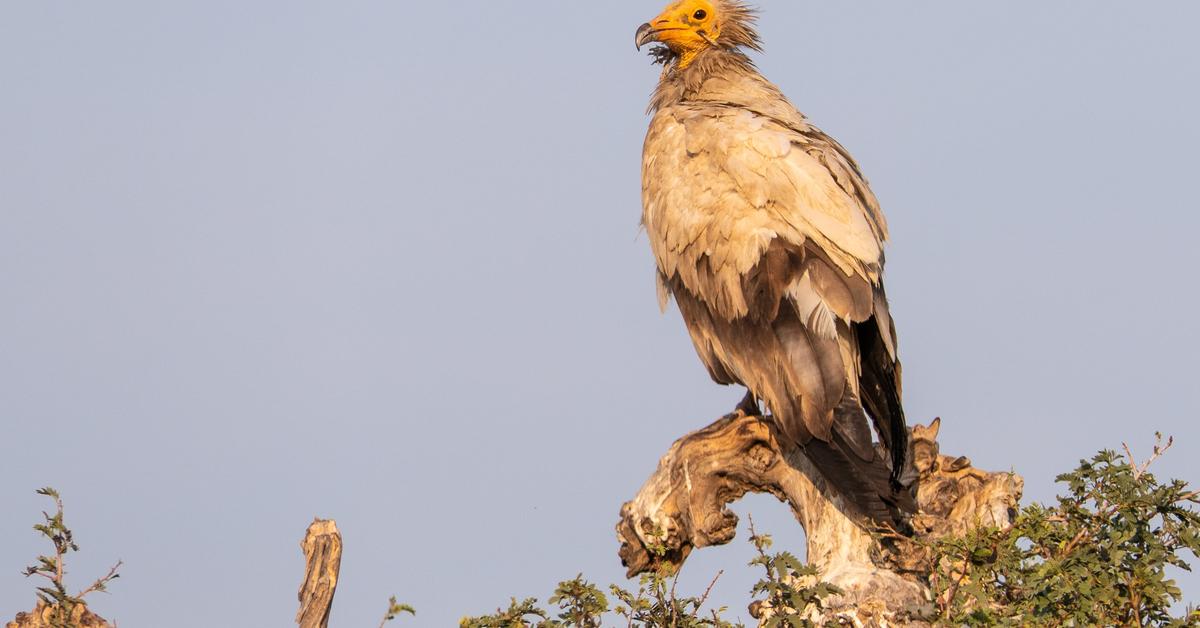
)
(322, 547)
(682, 506)
(47, 616)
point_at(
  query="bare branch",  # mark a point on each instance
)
(704, 598)
(1159, 450)
(101, 583)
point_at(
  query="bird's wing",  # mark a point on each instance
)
(721, 183)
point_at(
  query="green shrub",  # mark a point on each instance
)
(655, 603)
(1096, 558)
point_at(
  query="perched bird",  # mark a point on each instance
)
(767, 236)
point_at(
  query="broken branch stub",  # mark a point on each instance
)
(322, 547)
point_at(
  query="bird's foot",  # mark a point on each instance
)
(748, 406)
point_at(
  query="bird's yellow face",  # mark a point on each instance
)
(686, 27)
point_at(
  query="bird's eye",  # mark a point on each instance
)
(700, 14)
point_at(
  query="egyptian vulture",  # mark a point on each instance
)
(768, 238)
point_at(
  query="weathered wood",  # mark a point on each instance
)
(682, 506)
(45, 616)
(322, 547)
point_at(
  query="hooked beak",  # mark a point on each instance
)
(644, 35)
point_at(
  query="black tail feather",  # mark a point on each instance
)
(867, 484)
(879, 386)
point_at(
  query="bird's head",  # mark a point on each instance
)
(688, 27)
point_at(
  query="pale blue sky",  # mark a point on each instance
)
(397, 243)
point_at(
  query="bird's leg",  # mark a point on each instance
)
(748, 406)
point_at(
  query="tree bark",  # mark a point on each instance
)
(322, 547)
(882, 573)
